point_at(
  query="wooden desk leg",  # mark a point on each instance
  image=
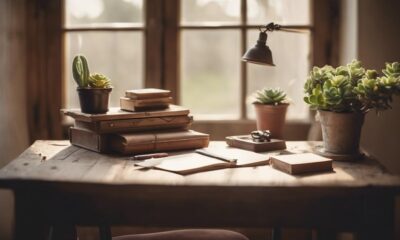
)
(378, 218)
(105, 232)
(28, 224)
(325, 234)
(63, 232)
(276, 233)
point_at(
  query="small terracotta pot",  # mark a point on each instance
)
(271, 117)
(341, 131)
(94, 100)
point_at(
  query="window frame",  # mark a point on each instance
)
(243, 26)
(162, 46)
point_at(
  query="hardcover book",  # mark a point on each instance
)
(301, 163)
(143, 142)
(118, 114)
(89, 140)
(147, 93)
(133, 105)
(136, 124)
(132, 143)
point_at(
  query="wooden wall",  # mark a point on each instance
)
(13, 125)
(379, 42)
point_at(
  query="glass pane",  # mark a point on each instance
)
(291, 55)
(278, 11)
(210, 73)
(202, 11)
(117, 55)
(92, 12)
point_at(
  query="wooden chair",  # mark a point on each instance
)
(59, 233)
(188, 234)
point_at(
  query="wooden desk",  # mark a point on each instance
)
(55, 183)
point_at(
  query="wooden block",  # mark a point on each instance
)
(147, 93)
(301, 163)
(246, 142)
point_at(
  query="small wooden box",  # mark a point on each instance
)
(246, 142)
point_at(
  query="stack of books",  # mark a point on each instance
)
(145, 99)
(145, 122)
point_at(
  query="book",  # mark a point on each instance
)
(147, 93)
(300, 163)
(118, 114)
(246, 142)
(89, 140)
(133, 143)
(133, 105)
(136, 124)
(195, 162)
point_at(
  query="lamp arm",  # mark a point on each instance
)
(270, 27)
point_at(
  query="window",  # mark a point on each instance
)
(110, 33)
(211, 35)
(214, 36)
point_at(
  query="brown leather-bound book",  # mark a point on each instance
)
(147, 93)
(133, 105)
(89, 140)
(137, 124)
(118, 114)
(300, 163)
(133, 143)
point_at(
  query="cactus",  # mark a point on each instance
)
(80, 71)
(82, 76)
(352, 88)
(271, 96)
(98, 80)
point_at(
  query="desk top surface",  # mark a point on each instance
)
(58, 161)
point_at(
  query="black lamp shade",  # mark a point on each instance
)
(260, 53)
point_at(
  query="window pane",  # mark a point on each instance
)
(210, 73)
(92, 12)
(291, 54)
(118, 55)
(202, 11)
(278, 11)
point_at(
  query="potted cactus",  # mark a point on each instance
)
(343, 96)
(271, 106)
(93, 89)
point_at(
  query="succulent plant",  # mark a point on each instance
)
(82, 76)
(80, 71)
(97, 80)
(271, 96)
(352, 88)
(392, 70)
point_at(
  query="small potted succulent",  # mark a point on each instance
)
(93, 89)
(343, 96)
(271, 107)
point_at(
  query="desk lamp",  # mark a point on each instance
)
(261, 53)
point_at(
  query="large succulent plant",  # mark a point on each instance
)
(352, 88)
(82, 76)
(271, 96)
